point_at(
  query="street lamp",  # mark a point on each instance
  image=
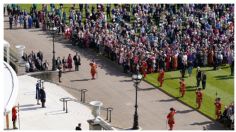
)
(53, 51)
(136, 79)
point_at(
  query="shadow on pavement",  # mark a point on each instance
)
(146, 89)
(27, 105)
(214, 126)
(125, 80)
(184, 111)
(80, 80)
(31, 108)
(167, 100)
(201, 123)
(55, 112)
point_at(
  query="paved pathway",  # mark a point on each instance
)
(112, 87)
(33, 116)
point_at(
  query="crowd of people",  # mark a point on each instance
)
(143, 37)
(227, 116)
(68, 63)
(165, 36)
(34, 62)
(181, 37)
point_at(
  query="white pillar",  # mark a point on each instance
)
(20, 51)
(7, 46)
(96, 109)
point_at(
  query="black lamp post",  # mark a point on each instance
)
(136, 79)
(53, 50)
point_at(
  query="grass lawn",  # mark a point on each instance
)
(217, 81)
(66, 7)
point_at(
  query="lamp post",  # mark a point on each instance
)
(136, 79)
(53, 50)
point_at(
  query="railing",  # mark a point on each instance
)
(12, 58)
(12, 54)
(82, 100)
(108, 110)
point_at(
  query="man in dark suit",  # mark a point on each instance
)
(42, 97)
(199, 76)
(76, 60)
(204, 77)
(10, 21)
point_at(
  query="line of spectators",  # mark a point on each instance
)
(227, 116)
(34, 62)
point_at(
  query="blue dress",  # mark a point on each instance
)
(30, 22)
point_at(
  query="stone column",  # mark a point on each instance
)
(20, 51)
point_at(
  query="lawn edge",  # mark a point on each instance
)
(183, 102)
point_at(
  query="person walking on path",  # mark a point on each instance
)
(204, 77)
(199, 98)
(69, 62)
(78, 127)
(64, 63)
(170, 118)
(42, 97)
(10, 21)
(60, 74)
(14, 117)
(160, 78)
(199, 76)
(76, 60)
(93, 69)
(37, 92)
(182, 87)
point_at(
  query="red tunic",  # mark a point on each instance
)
(144, 68)
(161, 76)
(14, 111)
(69, 62)
(182, 87)
(198, 96)
(170, 117)
(175, 62)
(68, 33)
(218, 108)
(168, 59)
(93, 68)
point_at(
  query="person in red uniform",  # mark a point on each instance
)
(93, 69)
(182, 87)
(218, 108)
(199, 95)
(69, 62)
(144, 68)
(14, 117)
(170, 118)
(160, 78)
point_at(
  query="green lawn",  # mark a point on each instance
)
(217, 81)
(66, 7)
